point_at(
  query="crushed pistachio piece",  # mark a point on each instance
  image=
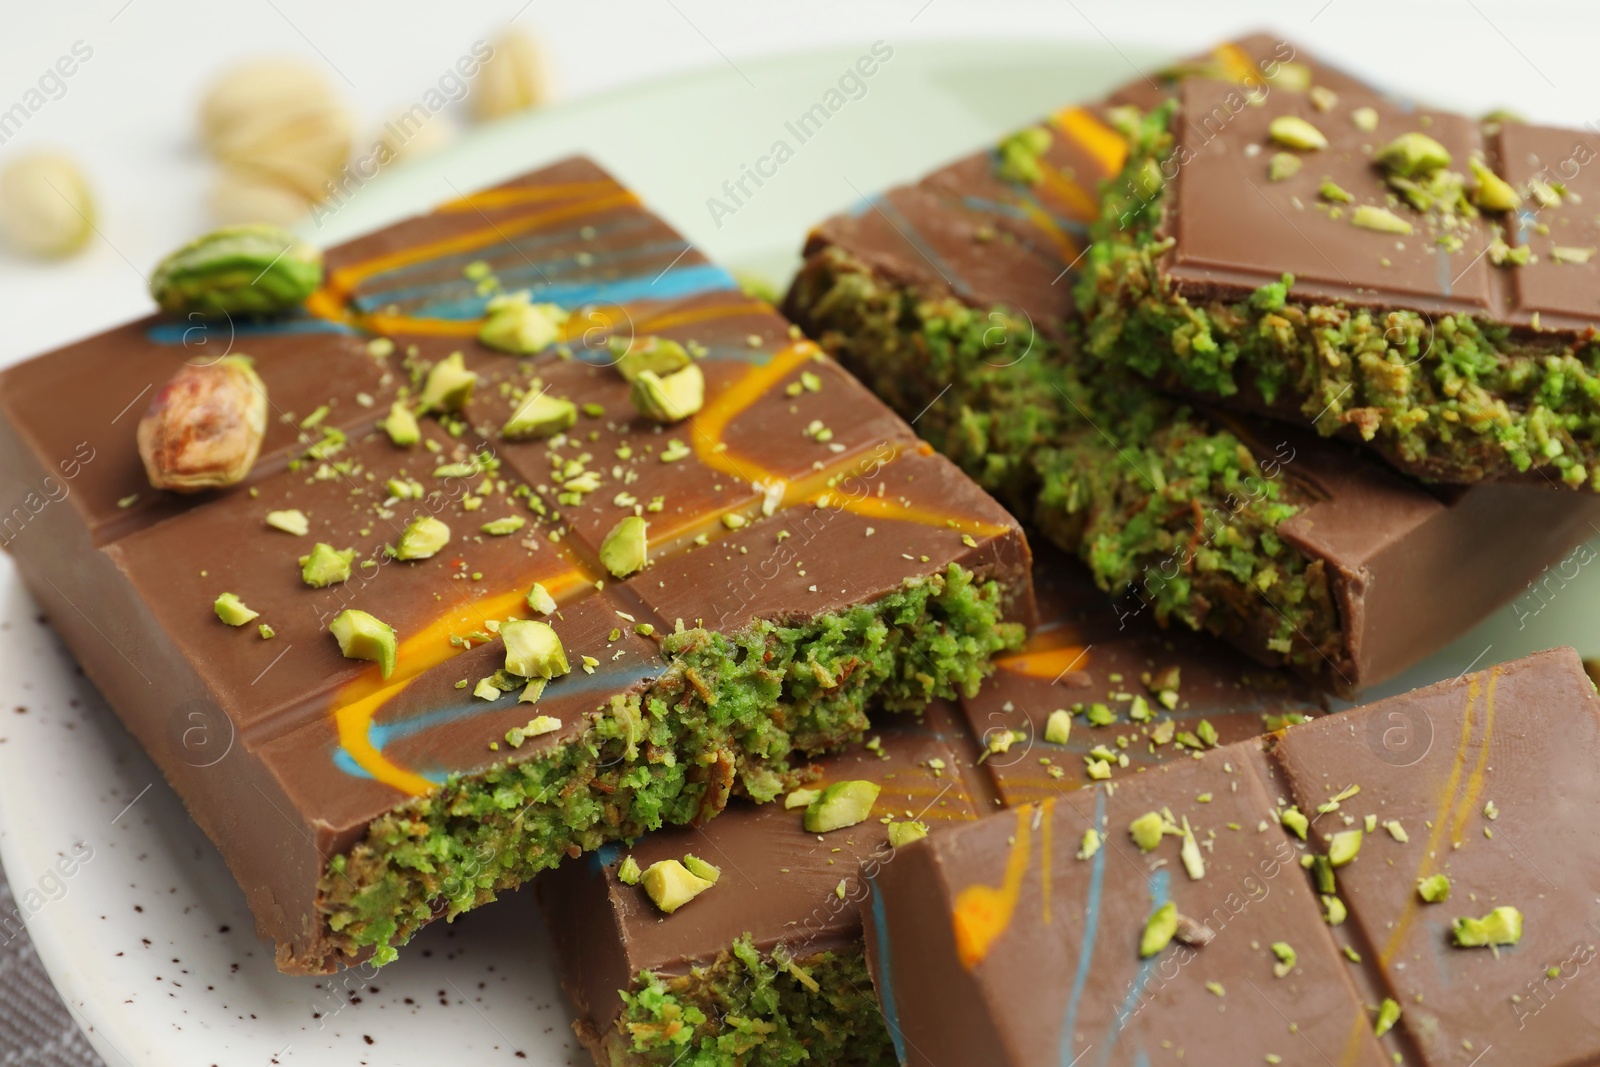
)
(625, 549)
(487, 690)
(1493, 193)
(292, 521)
(532, 691)
(1158, 930)
(362, 636)
(1569, 254)
(1092, 840)
(670, 885)
(401, 425)
(1343, 847)
(1283, 166)
(1412, 155)
(628, 872)
(501, 527)
(1380, 219)
(540, 600)
(674, 451)
(1364, 119)
(669, 399)
(267, 633)
(1388, 1015)
(538, 416)
(514, 323)
(801, 798)
(841, 805)
(1334, 910)
(1019, 154)
(1058, 727)
(422, 538)
(1286, 958)
(449, 385)
(1147, 830)
(1397, 831)
(1434, 888)
(1291, 131)
(1331, 190)
(326, 565)
(657, 355)
(231, 610)
(1295, 822)
(533, 649)
(701, 869)
(1193, 862)
(1502, 926)
(903, 833)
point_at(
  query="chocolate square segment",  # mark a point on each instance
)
(1561, 287)
(288, 753)
(1235, 228)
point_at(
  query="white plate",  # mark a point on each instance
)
(149, 939)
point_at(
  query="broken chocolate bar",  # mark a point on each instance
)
(951, 299)
(772, 959)
(1395, 883)
(1412, 279)
(588, 614)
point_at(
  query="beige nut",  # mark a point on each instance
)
(514, 78)
(412, 135)
(243, 195)
(203, 429)
(250, 91)
(45, 205)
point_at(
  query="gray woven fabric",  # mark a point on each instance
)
(35, 1029)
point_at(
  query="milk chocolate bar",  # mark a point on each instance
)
(1419, 281)
(804, 558)
(769, 961)
(952, 299)
(1407, 882)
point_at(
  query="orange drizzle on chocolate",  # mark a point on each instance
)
(982, 912)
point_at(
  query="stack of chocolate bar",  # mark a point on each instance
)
(515, 540)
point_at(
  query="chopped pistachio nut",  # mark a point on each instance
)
(671, 885)
(840, 805)
(291, 522)
(1334, 911)
(1569, 254)
(540, 415)
(1343, 847)
(422, 538)
(1092, 840)
(1434, 888)
(903, 833)
(361, 636)
(1294, 821)
(1193, 862)
(267, 633)
(654, 354)
(625, 549)
(1323, 98)
(532, 691)
(669, 399)
(515, 324)
(501, 527)
(533, 649)
(801, 798)
(487, 690)
(1330, 190)
(1158, 930)
(540, 600)
(1364, 119)
(1283, 166)
(1381, 219)
(675, 451)
(449, 384)
(1388, 1015)
(1147, 830)
(1019, 155)
(537, 726)
(1397, 831)
(628, 872)
(1058, 727)
(1286, 958)
(231, 610)
(1502, 926)
(1292, 131)
(1493, 193)
(701, 869)
(326, 565)
(1412, 154)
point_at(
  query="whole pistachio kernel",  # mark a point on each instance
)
(1343, 847)
(1434, 888)
(231, 610)
(238, 270)
(449, 384)
(903, 833)
(841, 805)
(1493, 193)
(658, 355)
(361, 636)
(540, 415)
(203, 428)
(514, 323)
(401, 425)
(1158, 930)
(423, 537)
(1502, 926)
(533, 649)
(1291, 131)
(1381, 219)
(669, 399)
(326, 565)
(1412, 154)
(625, 549)
(670, 885)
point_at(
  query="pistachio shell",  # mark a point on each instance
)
(238, 270)
(45, 206)
(203, 429)
(512, 79)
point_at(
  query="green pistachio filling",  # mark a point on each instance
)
(726, 715)
(1172, 512)
(1452, 397)
(749, 1008)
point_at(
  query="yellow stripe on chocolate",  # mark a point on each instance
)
(1047, 655)
(1079, 203)
(526, 194)
(1237, 62)
(1108, 147)
(982, 913)
(1047, 817)
(1066, 247)
(1469, 799)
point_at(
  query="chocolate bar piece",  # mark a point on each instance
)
(807, 558)
(1442, 909)
(1413, 279)
(648, 987)
(951, 299)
